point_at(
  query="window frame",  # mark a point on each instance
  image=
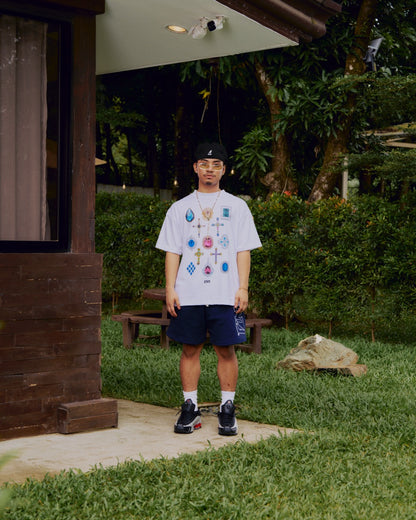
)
(64, 166)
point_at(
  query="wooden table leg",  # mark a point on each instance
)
(255, 338)
(128, 333)
(164, 339)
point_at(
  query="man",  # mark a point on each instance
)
(207, 290)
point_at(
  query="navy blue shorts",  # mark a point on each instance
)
(224, 325)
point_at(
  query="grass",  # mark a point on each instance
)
(356, 459)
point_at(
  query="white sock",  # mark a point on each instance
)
(193, 396)
(227, 396)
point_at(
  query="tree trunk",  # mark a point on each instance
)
(152, 160)
(279, 179)
(183, 128)
(354, 66)
(111, 165)
(129, 155)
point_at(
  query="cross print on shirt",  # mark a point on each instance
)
(199, 227)
(218, 224)
(216, 254)
(198, 254)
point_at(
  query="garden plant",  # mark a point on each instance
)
(354, 457)
(335, 261)
(345, 268)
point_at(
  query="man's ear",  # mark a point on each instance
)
(195, 167)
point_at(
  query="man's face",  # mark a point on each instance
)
(209, 171)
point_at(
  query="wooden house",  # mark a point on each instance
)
(50, 274)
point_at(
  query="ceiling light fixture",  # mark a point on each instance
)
(177, 29)
(200, 30)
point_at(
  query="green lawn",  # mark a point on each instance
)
(356, 459)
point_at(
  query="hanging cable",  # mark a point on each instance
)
(206, 95)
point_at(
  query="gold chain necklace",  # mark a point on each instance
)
(207, 212)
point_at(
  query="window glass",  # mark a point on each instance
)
(32, 171)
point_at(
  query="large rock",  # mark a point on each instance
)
(319, 353)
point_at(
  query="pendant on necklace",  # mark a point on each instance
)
(207, 213)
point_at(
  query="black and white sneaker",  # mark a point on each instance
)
(227, 423)
(189, 420)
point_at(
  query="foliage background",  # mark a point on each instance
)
(334, 261)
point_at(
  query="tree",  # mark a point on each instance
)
(337, 144)
(312, 100)
(279, 179)
(136, 106)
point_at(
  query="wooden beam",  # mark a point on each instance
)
(298, 20)
(83, 137)
(86, 7)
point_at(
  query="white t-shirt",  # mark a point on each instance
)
(208, 272)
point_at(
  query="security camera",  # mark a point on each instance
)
(370, 55)
(216, 23)
(211, 25)
(199, 30)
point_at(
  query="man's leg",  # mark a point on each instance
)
(227, 370)
(190, 367)
(190, 370)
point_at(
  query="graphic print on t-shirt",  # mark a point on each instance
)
(189, 215)
(207, 242)
(217, 224)
(191, 242)
(198, 254)
(225, 213)
(211, 240)
(208, 271)
(199, 226)
(191, 268)
(216, 254)
(224, 241)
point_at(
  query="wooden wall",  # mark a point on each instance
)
(49, 337)
(50, 303)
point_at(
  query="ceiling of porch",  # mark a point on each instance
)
(132, 34)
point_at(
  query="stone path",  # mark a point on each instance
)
(144, 432)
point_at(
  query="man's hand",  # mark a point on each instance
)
(172, 301)
(171, 271)
(243, 266)
(241, 300)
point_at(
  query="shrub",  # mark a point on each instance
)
(127, 227)
(334, 261)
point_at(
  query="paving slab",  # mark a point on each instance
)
(144, 432)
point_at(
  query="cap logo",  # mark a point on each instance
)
(210, 152)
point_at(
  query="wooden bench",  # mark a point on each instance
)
(254, 338)
(131, 321)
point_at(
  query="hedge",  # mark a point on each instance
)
(330, 261)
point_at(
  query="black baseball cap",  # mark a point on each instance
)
(211, 151)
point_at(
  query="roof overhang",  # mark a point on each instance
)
(132, 34)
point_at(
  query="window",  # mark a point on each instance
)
(34, 118)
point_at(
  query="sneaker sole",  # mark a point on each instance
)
(227, 431)
(187, 429)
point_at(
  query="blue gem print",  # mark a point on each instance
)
(191, 243)
(224, 242)
(224, 267)
(191, 268)
(189, 215)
